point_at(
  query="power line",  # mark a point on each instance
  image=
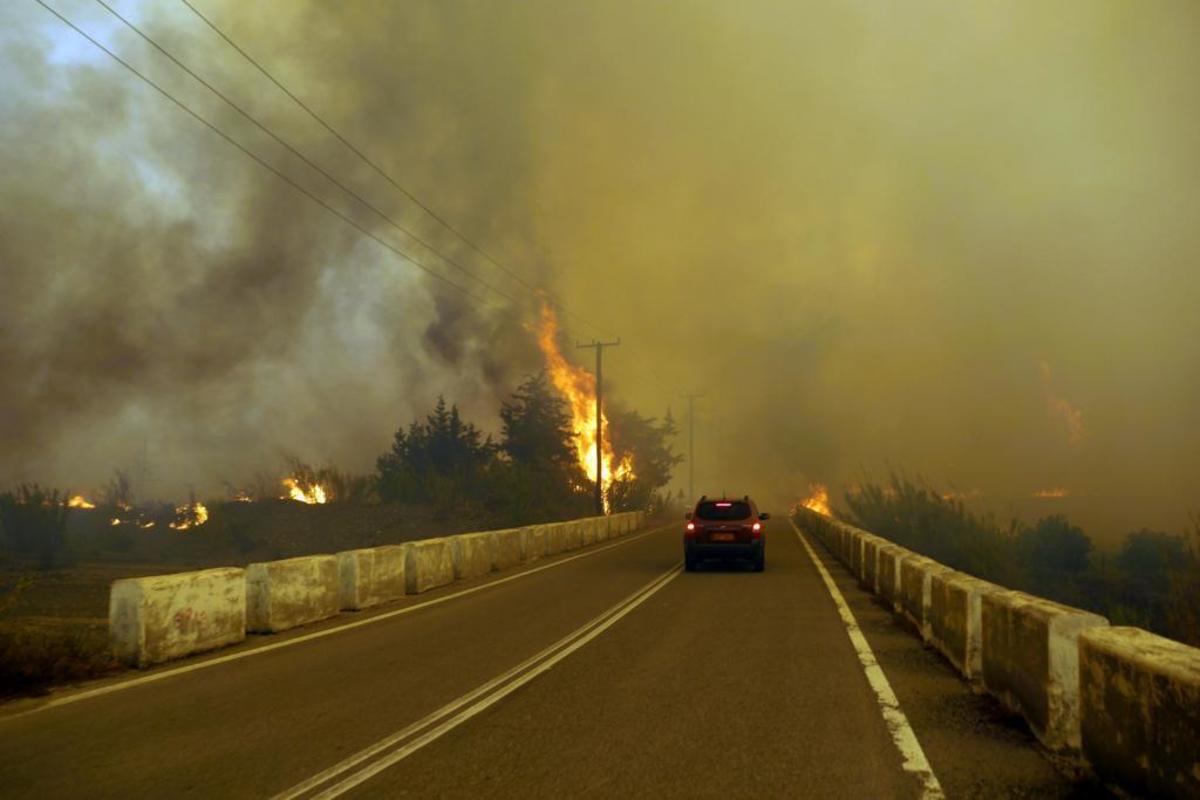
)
(291, 149)
(259, 160)
(276, 171)
(378, 170)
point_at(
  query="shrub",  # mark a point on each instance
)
(32, 659)
(1153, 581)
(33, 521)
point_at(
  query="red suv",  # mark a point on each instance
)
(724, 529)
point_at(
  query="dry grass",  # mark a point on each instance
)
(41, 650)
(35, 657)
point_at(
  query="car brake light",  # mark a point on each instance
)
(691, 526)
(724, 505)
(757, 528)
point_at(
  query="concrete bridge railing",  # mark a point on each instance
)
(164, 617)
(1124, 699)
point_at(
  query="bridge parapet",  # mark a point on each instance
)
(1124, 699)
(163, 617)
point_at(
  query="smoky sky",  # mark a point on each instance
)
(961, 242)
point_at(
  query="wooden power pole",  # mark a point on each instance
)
(599, 347)
(692, 446)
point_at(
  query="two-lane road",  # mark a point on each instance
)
(607, 672)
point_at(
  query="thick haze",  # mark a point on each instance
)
(962, 241)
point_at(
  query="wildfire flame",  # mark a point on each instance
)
(114, 522)
(954, 495)
(313, 494)
(79, 501)
(1056, 493)
(818, 499)
(578, 387)
(191, 515)
(242, 497)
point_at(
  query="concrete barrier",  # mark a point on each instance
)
(870, 576)
(1140, 711)
(158, 618)
(575, 533)
(572, 534)
(556, 538)
(1030, 661)
(533, 542)
(370, 576)
(588, 528)
(603, 526)
(833, 536)
(295, 591)
(955, 620)
(429, 563)
(890, 558)
(916, 575)
(508, 548)
(474, 554)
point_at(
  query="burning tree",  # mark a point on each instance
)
(539, 474)
(577, 387)
(644, 444)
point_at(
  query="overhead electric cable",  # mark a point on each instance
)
(379, 170)
(291, 149)
(259, 160)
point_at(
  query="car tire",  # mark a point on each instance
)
(689, 562)
(760, 561)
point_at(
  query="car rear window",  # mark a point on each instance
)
(723, 509)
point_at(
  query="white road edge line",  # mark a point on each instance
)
(212, 662)
(354, 760)
(902, 733)
(541, 663)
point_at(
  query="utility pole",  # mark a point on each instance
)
(599, 346)
(691, 447)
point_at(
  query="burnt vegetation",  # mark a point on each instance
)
(1151, 581)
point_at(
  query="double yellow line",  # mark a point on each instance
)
(366, 763)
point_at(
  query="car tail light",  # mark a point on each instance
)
(757, 528)
(690, 529)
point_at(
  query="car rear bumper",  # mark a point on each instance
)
(724, 549)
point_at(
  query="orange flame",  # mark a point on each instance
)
(1057, 493)
(79, 501)
(313, 494)
(818, 499)
(192, 515)
(578, 387)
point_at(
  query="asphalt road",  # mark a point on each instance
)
(605, 673)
